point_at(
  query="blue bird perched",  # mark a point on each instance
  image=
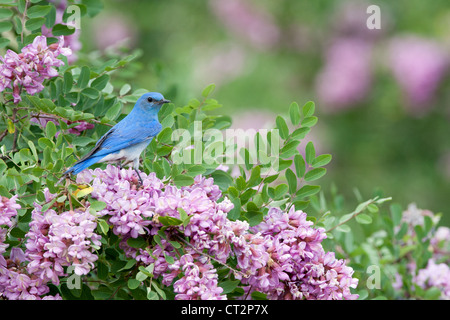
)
(128, 138)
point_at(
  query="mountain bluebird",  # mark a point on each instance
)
(128, 138)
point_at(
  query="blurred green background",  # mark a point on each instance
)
(381, 95)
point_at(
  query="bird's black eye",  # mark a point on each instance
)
(150, 99)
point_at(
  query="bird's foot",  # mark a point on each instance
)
(139, 176)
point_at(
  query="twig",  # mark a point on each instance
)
(3, 134)
(359, 209)
(56, 117)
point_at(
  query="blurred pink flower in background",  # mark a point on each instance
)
(418, 65)
(350, 20)
(219, 65)
(247, 20)
(71, 41)
(346, 76)
(120, 31)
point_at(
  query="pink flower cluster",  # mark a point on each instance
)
(15, 281)
(297, 265)
(29, 69)
(282, 257)
(57, 240)
(8, 210)
(199, 281)
(435, 275)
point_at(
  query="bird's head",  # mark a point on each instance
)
(151, 102)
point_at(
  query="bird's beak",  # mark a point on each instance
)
(164, 101)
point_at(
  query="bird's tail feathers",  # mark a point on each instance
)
(80, 166)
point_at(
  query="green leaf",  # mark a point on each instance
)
(125, 89)
(50, 130)
(137, 242)
(38, 11)
(282, 127)
(208, 90)
(432, 293)
(128, 265)
(169, 259)
(62, 30)
(310, 152)
(68, 82)
(289, 149)
(363, 218)
(169, 221)
(255, 177)
(315, 174)
(343, 228)
(97, 205)
(309, 121)
(152, 295)
(84, 77)
(5, 26)
(133, 283)
(300, 133)
(280, 191)
(256, 295)
(222, 179)
(294, 113)
(91, 93)
(195, 170)
(307, 191)
(113, 112)
(158, 290)
(300, 166)
(235, 213)
(229, 285)
(21, 5)
(5, 13)
(33, 150)
(102, 270)
(104, 227)
(292, 181)
(44, 142)
(321, 160)
(396, 213)
(101, 82)
(308, 109)
(183, 180)
(254, 218)
(4, 42)
(35, 23)
(165, 136)
(402, 231)
(11, 127)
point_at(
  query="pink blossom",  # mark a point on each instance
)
(282, 256)
(8, 210)
(418, 65)
(435, 275)
(346, 76)
(58, 240)
(31, 67)
(248, 21)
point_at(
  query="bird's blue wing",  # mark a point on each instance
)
(119, 138)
